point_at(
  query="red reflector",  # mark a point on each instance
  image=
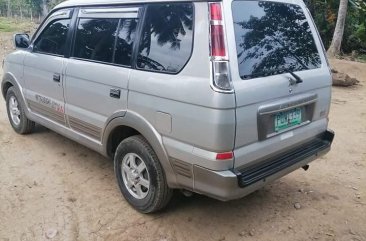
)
(224, 156)
(215, 11)
(217, 41)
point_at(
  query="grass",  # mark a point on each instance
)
(8, 25)
(362, 58)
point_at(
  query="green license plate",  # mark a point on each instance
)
(287, 119)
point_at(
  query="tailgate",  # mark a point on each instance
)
(280, 76)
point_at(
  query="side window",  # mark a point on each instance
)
(53, 38)
(166, 41)
(105, 40)
(95, 39)
(125, 39)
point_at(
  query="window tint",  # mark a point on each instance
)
(53, 38)
(272, 38)
(166, 42)
(95, 39)
(125, 39)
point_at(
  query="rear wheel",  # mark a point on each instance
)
(18, 120)
(140, 176)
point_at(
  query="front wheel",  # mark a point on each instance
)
(18, 120)
(140, 176)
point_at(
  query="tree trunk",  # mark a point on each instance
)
(335, 46)
(8, 9)
(44, 8)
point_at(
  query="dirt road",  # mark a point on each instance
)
(51, 184)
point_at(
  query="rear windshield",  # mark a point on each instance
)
(272, 38)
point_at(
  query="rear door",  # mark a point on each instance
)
(44, 65)
(98, 70)
(280, 76)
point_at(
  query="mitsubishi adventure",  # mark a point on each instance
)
(217, 98)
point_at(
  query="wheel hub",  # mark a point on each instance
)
(14, 110)
(135, 176)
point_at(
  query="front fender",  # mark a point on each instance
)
(13, 72)
(137, 122)
(10, 78)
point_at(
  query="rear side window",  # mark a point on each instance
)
(53, 38)
(105, 40)
(166, 41)
(272, 38)
(95, 39)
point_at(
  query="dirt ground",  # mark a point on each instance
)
(51, 184)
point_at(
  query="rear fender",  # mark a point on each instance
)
(137, 122)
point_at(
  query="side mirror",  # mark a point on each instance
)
(21, 41)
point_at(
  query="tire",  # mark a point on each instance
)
(132, 152)
(17, 118)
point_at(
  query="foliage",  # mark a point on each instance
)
(325, 16)
(25, 8)
(324, 13)
(362, 58)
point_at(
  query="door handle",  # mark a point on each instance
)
(115, 93)
(57, 78)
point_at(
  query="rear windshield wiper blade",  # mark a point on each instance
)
(298, 79)
(269, 73)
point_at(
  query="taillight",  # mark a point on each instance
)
(221, 75)
(225, 156)
(218, 45)
(215, 11)
(218, 50)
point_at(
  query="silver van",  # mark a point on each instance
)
(217, 98)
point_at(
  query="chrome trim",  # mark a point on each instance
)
(217, 22)
(286, 104)
(109, 13)
(219, 58)
(287, 108)
(110, 10)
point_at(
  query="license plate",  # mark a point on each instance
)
(287, 119)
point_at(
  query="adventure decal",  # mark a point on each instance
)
(50, 103)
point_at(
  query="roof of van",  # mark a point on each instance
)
(72, 3)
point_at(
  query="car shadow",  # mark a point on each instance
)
(274, 199)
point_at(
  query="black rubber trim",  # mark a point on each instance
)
(269, 167)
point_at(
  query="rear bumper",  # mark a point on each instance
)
(233, 184)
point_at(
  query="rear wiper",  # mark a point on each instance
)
(298, 79)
